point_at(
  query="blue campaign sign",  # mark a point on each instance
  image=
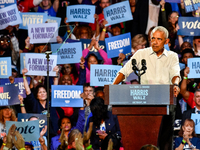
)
(41, 117)
(9, 95)
(182, 66)
(29, 130)
(191, 5)
(167, 47)
(196, 119)
(22, 62)
(9, 16)
(101, 75)
(117, 13)
(5, 67)
(86, 43)
(194, 65)
(66, 96)
(32, 18)
(189, 26)
(5, 3)
(80, 13)
(68, 53)
(36, 64)
(118, 44)
(53, 20)
(20, 83)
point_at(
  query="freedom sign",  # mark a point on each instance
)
(66, 96)
(80, 13)
(36, 64)
(68, 53)
(32, 18)
(196, 119)
(9, 16)
(86, 43)
(116, 13)
(51, 19)
(43, 33)
(5, 3)
(101, 75)
(9, 95)
(20, 83)
(29, 130)
(5, 67)
(194, 65)
(189, 26)
(118, 44)
(41, 117)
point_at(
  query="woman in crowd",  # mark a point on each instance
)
(105, 126)
(187, 138)
(65, 124)
(47, 7)
(92, 59)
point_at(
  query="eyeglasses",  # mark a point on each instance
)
(5, 41)
(174, 17)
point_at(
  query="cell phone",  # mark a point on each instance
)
(99, 132)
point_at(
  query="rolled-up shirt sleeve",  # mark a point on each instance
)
(175, 68)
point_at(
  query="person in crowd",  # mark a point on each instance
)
(186, 94)
(195, 109)
(46, 7)
(105, 126)
(29, 146)
(70, 69)
(187, 138)
(6, 114)
(92, 59)
(37, 102)
(168, 70)
(65, 124)
(26, 5)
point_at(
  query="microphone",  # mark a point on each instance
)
(133, 62)
(143, 62)
(134, 65)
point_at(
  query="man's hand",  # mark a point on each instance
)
(176, 90)
(102, 135)
(19, 143)
(44, 130)
(186, 71)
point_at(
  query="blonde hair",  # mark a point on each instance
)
(138, 39)
(50, 4)
(12, 117)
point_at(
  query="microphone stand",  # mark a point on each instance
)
(138, 71)
(48, 113)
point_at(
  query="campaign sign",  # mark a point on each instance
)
(41, 117)
(9, 95)
(189, 26)
(80, 13)
(5, 3)
(191, 5)
(117, 13)
(32, 18)
(9, 16)
(181, 65)
(166, 46)
(68, 53)
(194, 65)
(5, 67)
(53, 20)
(22, 61)
(20, 83)
(66, 96)
(118, 44)
(43, 33)
(101, 75)
(86, 43)
(36, 64)
(196, 119)
(29, 130)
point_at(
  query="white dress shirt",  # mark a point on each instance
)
(160, 70)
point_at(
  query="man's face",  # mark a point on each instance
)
(158, 41)
(186, 56)
(197, 98)
(104, 3)
(88, 91)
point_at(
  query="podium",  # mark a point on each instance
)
(140, 110)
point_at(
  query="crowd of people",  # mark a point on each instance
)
(154, 24)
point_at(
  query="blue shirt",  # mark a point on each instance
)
(50, 11)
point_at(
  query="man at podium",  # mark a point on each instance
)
(162, 65)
